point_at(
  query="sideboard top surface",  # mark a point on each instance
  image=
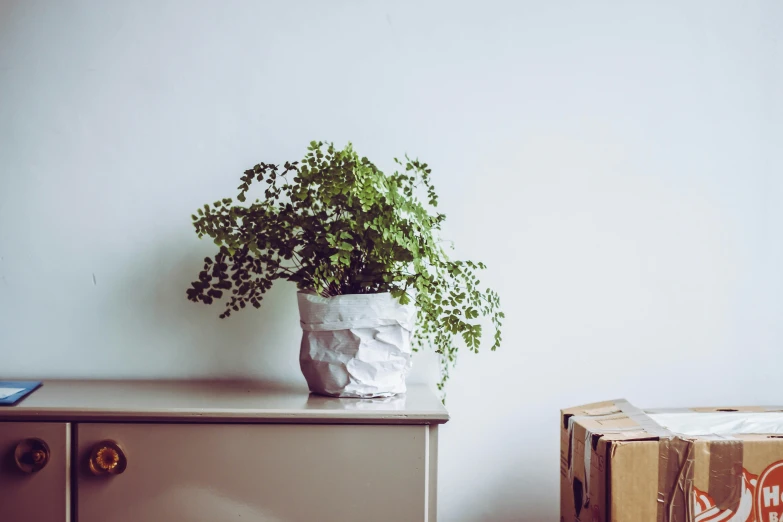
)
(216, 401)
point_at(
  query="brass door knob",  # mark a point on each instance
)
(107, 458)
(31, 455)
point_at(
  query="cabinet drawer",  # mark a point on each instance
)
(35, 496)
(256, 472)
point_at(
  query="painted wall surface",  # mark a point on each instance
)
(617, 165)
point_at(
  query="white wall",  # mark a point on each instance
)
(617, 165)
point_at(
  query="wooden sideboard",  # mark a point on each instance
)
(176, 451)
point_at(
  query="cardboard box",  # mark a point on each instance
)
(621, 464)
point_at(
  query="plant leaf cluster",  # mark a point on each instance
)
(336, 224)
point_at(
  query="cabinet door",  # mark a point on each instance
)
(41, 493)
(259, 473)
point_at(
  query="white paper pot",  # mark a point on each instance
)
(356, 345)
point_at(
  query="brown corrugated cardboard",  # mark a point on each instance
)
(619, 465)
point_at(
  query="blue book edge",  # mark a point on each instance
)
(29, 387)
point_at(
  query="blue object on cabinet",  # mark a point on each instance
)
(24, 388)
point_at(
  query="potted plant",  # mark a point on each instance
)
(362, 247)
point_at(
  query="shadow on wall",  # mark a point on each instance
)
(188, 340)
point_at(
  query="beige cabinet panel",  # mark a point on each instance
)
(39, 496)
(258, 472)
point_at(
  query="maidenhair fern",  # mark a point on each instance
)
(334, 223)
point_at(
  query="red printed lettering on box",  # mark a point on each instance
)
(769, 500)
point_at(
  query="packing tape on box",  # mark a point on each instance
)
(676, 468)
(675, 479)
(726, 454)
(604, 413)
(676, 462)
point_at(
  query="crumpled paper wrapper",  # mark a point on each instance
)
(356, 345)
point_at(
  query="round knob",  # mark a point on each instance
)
(107, 458)
(31, 455)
